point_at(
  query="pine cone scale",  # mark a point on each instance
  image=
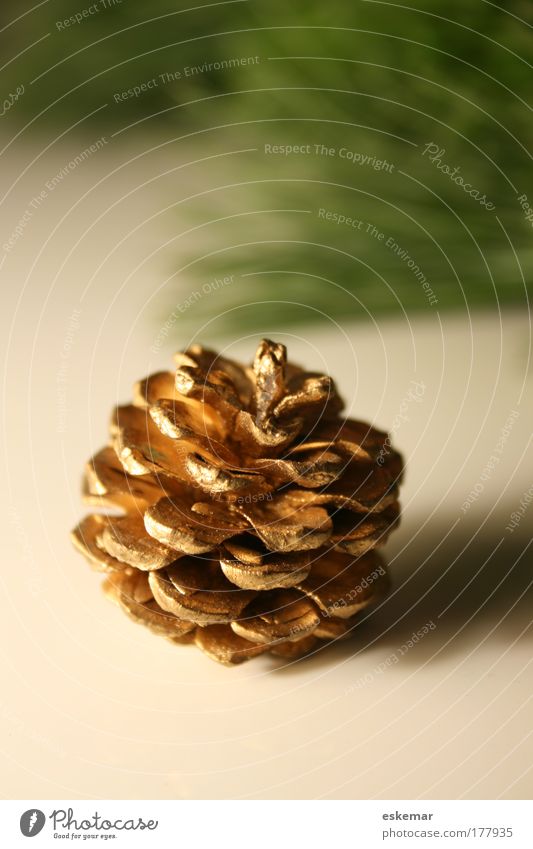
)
(277, 617)
(202, 607)
(272, 573)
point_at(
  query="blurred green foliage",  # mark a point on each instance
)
(380, 79)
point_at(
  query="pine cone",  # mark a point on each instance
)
(251, 510)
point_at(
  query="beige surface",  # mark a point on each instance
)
(93, 706)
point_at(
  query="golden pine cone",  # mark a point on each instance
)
(251, 510)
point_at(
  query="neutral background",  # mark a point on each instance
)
(93, 705)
